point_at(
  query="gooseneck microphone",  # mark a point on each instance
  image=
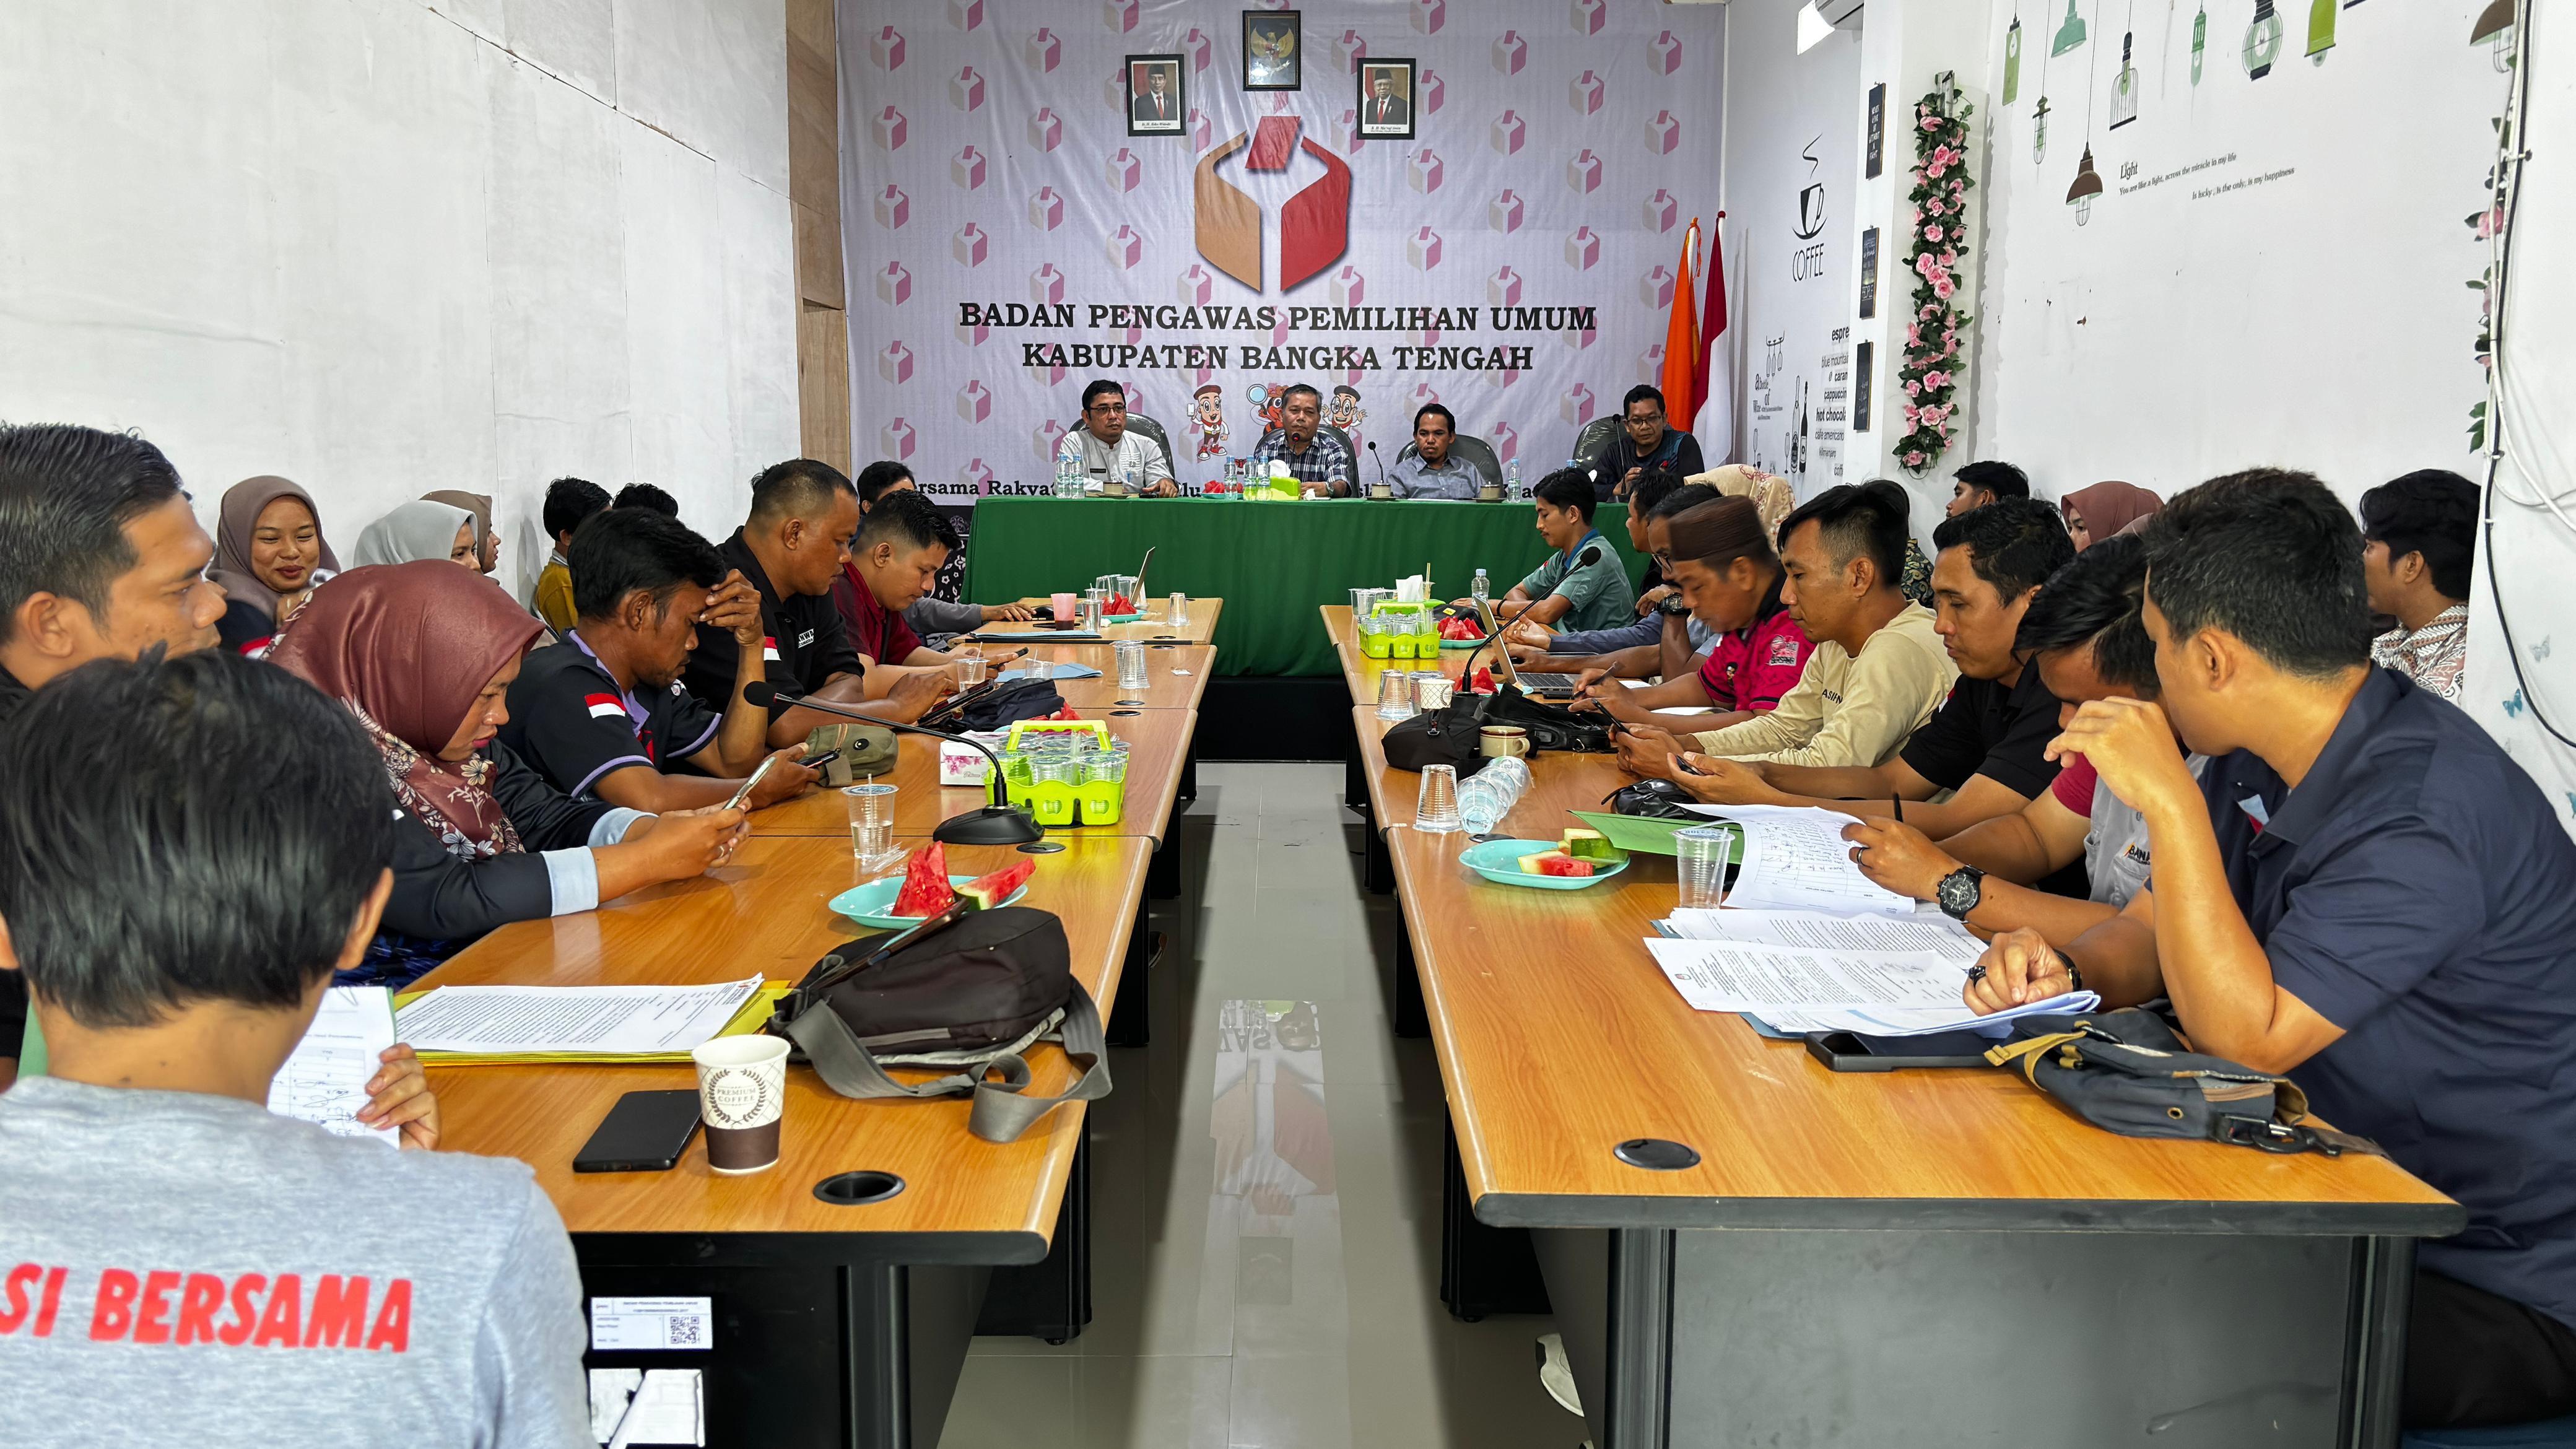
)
(1374, 458)
(996, 823)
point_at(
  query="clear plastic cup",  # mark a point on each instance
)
(1395, 695)
(1036, 668)
(1180, 612)
(1436, 808)
(1061, 605)
(970, 668)
(1131, 664)
(1700, 860)
(871, 811)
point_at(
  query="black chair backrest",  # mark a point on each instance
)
(1594, 439)
(1153, 430)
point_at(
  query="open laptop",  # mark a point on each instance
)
(1541, 686)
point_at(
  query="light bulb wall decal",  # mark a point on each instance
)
(2262, 44)
(2070, 34)
(2321, 30)
(2494, 27)
(2088, 184)
(2199, 41)
(2012, 60)
(2124, 89)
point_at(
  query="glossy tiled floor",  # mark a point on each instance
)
(1266, 1184)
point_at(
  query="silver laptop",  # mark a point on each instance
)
(1545, 686)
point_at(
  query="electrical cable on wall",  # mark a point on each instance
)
(2503, 383)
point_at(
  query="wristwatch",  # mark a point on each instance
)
(1959, 892)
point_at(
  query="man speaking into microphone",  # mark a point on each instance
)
(1583, 584)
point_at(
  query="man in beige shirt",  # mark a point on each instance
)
(1878, 670)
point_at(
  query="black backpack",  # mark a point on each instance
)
(1449, 735)
(965, 989)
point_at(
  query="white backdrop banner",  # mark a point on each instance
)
(1008, 239)
(2272, 271)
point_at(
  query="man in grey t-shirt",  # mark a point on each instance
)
(177, 1265)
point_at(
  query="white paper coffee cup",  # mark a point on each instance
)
(742, 1092)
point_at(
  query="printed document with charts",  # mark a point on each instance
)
(1808, 943)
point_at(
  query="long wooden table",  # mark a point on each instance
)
(1912, 1257)
(836, 1323)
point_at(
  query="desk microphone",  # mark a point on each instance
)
(1588, 557)
(1374, 458)
(995, 824)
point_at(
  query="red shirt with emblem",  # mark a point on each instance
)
(1751, 668)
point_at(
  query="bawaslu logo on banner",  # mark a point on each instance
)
(1021, 219)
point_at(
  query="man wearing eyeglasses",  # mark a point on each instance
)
(1102, 448)
(1645, 442)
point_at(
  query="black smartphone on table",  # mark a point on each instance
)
(644, 1132)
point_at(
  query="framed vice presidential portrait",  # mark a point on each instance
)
(1155, 103)
(1273, 50)
(1386, 98)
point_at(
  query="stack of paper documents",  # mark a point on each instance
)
(1802, 971)
(469, 1025)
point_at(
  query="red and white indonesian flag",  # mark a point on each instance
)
(605, 706)
(769, 650)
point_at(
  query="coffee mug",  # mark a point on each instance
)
(742, 1091)
(1502, 741)
(1489, 492)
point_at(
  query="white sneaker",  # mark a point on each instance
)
(1556, 1375)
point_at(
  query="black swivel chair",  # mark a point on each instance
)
(1594, 440)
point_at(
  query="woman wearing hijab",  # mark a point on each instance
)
(2105, 509)
(269, 553)
(487, 549)
(418, 531)
(423, 654)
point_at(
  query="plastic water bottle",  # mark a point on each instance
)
(1512, 478)
(1485, 797)
(1484, 588)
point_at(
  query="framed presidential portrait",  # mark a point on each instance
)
(1386, 98)
(1156, 105)
(1274, 50)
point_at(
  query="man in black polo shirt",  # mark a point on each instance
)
(1988, 742)
(803, 514)
(100, 558)
(2364, 892)
(603, 713)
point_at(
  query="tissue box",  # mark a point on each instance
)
(964, 764)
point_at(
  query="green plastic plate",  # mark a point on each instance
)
(1499, 861)
(1650, 837)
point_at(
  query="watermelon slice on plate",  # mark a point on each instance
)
(992, 890)
(926, 891)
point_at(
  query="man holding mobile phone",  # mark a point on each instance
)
(604, 714)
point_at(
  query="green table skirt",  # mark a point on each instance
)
(1272, 562)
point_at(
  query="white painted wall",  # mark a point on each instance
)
(387, 246)
(1792, 122)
